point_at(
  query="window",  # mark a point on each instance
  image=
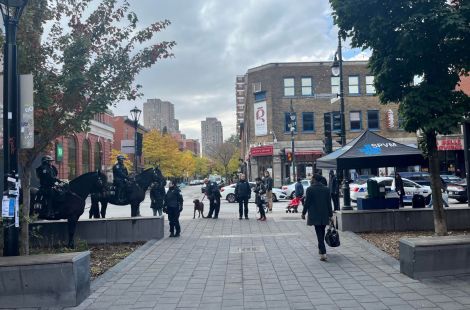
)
(336, 121)
(373, 119)
(370, 88)
(72, 158)
(97, 156)
(307, 89)
(85, 156)
(287, 122)
(335, 84)
(353, 85)
(308, 122)
(355, 120)
(260, 96)
(289, 87)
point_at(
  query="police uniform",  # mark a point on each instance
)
(47, 174)
(120, 176)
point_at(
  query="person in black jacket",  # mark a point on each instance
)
(157, 194)
(269, 183)
(47, 174)
(213, 194)
(333, 185)
(318, 206)
(120, 177)
(242, 195)
(260, 190)
(399, 188)
(174, 204)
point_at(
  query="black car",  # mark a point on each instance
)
(458, 191)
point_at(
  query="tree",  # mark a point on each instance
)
(233, 139)
(80, 69)
(202, 167)
(127, 163)
(222, 154)
(162, 150)
(413, 38)
(188, 164)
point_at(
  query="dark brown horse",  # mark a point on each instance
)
(70, 205)
(135, 194)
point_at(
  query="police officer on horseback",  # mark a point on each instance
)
(47, 174)
(120, 177)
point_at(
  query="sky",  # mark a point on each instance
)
(220, 39)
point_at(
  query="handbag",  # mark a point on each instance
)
(332, 236)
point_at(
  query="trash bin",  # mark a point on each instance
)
(372, 188)
(418, 201)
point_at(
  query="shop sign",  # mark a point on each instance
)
(266, 150)
(261, 118)
(450, 144)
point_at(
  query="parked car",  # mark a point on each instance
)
(194, 182)
(450, 178)
(228, 193)
(290, 188)
(458, 191)
(411, 188)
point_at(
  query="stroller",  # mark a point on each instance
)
(293, 205)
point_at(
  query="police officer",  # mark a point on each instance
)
(120, 176)
(213, 194)
(47, 174)
(174, 205)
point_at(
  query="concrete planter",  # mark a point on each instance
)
(59, 280)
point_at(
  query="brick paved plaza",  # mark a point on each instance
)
(233, 264)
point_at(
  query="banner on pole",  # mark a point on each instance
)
(261, 118)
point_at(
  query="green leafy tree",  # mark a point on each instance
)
(80, 69)
(410, 38)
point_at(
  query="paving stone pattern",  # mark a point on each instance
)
(233, 264)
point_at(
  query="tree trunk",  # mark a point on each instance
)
(440, 221)
(24, 218)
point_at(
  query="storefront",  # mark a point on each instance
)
(451, 154)
(304, 164)
(261, 160)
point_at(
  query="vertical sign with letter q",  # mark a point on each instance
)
(261, 118)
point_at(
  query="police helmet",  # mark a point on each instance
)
(119, 157)
(47, 158)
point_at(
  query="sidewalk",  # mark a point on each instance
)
(235, 264)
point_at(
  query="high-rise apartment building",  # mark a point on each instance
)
(159, 114)
(211, 135)
(240, 90)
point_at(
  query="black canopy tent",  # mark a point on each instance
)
(369, 150)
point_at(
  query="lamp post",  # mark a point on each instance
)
(337, 70)
(11, 13)
(135, 113)
(292, 125)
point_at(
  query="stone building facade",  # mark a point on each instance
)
(160, 114)
(271, 88)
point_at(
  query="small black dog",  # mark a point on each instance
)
(198, 206)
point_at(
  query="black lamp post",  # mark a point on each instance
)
(292, 126)
(337, 70)
(11, 12)
(135, 113)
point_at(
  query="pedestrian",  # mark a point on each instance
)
(242, 195)
(268, 184)
(213, 194)
(323, 179)
(333, 185)
(399, 188)
(260, 190)
(299, 190)
(157, 195)
(318, 207)
(173, 203)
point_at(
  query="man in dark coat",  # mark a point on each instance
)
(333, 185)
(157, 194)
(213, 194)
(120, 177)
(242, 195)
(268, 184)
(318, 206)
(399, 188)
(174, 205)
(47, 174)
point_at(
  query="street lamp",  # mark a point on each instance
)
(135, 113)
(292, 125)
(337, 70)
(11, 13)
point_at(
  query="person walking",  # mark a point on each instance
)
(213, 194)
(333, 185)
(174, 205)
(318, 207)
(399, 188)
(268, 184)
(299, 190)
(157, 195)
(260, 190)
(242, 195)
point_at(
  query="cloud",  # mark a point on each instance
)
(219, 39)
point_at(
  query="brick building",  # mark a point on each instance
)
(85, 152)
(211, 135)
(185, 144)
(124, 137)
(309, 85)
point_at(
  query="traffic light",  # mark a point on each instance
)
(327, 124)
(289, 156)
(337, 136)
(336, 121)
(282, 153)
(328, 145)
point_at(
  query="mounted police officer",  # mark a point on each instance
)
(47, 174)
(120, 177)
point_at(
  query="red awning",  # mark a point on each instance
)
(265, 150)
(306, 152)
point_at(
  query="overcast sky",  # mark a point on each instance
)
(219, 39)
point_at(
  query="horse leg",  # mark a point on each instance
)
(72, 225)
(133, 210)
(194, 215)
(94, 209)
(104, 205)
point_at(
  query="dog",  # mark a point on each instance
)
(198, 206)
